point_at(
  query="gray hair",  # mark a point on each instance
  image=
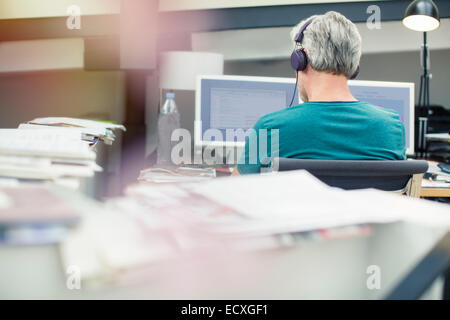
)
(332, 42)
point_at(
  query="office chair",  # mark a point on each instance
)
(403, 176)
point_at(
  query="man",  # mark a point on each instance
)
(330, 123)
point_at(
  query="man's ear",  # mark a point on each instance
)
(308, 68)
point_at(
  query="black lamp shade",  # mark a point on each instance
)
(422, 15)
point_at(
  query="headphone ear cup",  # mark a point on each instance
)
(299, 60)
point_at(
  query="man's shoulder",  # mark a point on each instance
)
(384, 112)
(283, 116)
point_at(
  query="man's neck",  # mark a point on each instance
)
(328, 87)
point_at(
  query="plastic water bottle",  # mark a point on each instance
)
(168, 121)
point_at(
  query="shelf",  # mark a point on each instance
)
(37, 55)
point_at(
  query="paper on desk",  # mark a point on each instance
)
(5, 201)
(414, 210)
(290, 201)
(84, 123)
(433, 168)
(133, 233)
(296, 201)
(21, 161)
(435, 184)
(279, 202)
(95, 131)
(109, 243)
(182, 174)
(9, 182)
(43, 168)
(46, 143)
(36, 204)
(90, 134)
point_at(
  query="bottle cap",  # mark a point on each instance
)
(170, 95)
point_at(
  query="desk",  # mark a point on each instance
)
(435, 188)
(309, 269)
(435, 192)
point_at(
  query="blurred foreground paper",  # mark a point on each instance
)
(34, 215)
(35, 204)
(157, 224)
(282, 202)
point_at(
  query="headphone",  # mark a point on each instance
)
(299, 59)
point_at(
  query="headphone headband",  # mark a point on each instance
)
(299, 36)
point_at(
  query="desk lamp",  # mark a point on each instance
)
(423, 16)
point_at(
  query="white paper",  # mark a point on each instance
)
(5, 201)
(47, 143)
(93, 131)
(83, 123)
(297, 201)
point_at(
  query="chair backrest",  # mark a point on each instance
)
(357, 174)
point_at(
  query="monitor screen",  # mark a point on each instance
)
(230, 103)
(396, 96)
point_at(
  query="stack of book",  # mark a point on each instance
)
(36, 159)
(90, 130)
(56, 149)
(33, 214)
(45, 155)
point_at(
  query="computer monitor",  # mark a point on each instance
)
(237, 102)
(398, 96)
(233, 104)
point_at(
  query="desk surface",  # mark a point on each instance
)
(333, 269)
(435, 188)
(435, 192)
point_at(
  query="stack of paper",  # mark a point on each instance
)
(259, 206)
(90, 130)
(45, 154)
(435, 177)
(157, 223)
(33, 215)
(180, 174)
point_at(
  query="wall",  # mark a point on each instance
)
(170, 5)
(70, 93)
(398, 66)
(20, 9)
(275, 43)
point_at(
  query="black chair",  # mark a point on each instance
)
(403, 176)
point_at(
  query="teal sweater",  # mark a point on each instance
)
(339, 130)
